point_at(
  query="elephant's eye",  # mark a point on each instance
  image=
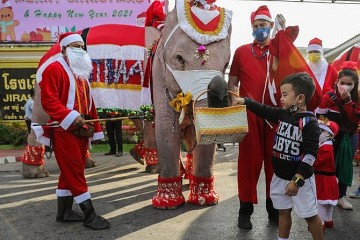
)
(180, 59)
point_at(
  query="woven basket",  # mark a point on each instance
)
(220, 125)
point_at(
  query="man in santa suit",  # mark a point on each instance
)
(66, 98)
(250, 68)
(325, 74)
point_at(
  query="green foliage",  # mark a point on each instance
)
(13, 134)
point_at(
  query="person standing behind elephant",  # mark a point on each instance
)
(29, 109)
(66, 98)
(342, 106)
(249, 69)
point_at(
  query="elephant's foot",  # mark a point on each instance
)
(90, 163)
(151, 160)
(153, 169)
(188, 166)
(138, 153)
(202, 191)
(33, 171)
(169, 193)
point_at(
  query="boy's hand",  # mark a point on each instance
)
(238, 101)
(291, 189)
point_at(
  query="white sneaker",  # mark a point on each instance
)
(345, 204)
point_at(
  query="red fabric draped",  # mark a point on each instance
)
(290, 61)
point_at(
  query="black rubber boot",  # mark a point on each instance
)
(65, 212)
(92, 220)
(245, 212)
(273, 214)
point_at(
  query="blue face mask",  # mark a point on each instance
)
(260, 34)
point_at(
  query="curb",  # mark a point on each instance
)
(10, 159)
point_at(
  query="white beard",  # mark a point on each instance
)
(79, 62)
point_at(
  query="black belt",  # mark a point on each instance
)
(325, 173)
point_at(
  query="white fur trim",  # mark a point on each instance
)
(327, 202)
(39, 133)
(97, 136)
(69, 119)
(82, 197)
(326, 128)
(41, 69)
(63, 193)
(314, 47)
(7, 4)
(70, 39)
(195, 35)
(107, 51)
(71, 96)
(263, 17)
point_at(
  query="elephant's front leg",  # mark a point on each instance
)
(202, 180)
(169, 193)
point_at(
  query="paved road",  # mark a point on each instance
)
(122, 193)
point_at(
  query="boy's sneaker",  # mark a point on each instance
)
(345, 204)
(355, 194)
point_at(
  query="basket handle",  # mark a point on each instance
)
(237, 95)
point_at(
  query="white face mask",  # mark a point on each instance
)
(194, 81)
(345, 88)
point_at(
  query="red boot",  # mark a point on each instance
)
(202, 191)
(138, 152)
(151, 160)
(329, 224)
(169, 193)
(188, 166)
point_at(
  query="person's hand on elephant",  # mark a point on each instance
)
(79, 122)
(238, 101)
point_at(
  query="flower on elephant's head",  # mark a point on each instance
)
(207, 4)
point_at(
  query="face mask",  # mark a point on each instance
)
(345, 88)
(76, 50)
(294, 107)
(324, 136)
(194, 81)
(260, 34)
(314, 57)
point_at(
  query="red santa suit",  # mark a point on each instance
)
(326, 182)
(325, 74)
(250, 66)
(64, 98)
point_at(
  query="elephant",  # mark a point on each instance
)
(33, 159)
(188, 55)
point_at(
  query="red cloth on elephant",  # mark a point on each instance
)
(326, 186)
(34, 155)
(251, 69)
(155, 14)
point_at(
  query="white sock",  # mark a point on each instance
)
(279, 238)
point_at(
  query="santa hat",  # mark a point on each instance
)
(7, 3)
(69, 37)
(261, 13)
(331, 127)
(315, 45)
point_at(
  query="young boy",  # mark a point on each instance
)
(294, 152)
